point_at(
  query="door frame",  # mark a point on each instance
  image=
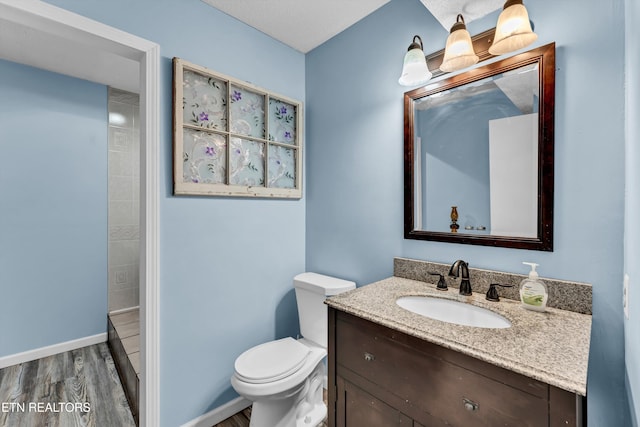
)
(74, 34)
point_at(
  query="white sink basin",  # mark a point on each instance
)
(451, 311)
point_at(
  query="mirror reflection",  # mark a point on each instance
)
(477, 145)
(479, 155)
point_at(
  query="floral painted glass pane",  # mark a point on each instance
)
(246, 162)
(204, 157)
(282, 121)
(204, 101)
(247, 112)
(282, 167)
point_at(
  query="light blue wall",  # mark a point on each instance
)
(458, 163)
(632, 208)
(53, 214)
(226, 264)
(355, 164)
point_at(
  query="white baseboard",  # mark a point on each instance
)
(220, 413)
(39, 353)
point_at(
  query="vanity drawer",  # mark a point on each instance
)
(429, 381)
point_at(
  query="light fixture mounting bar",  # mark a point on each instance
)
(481, 43)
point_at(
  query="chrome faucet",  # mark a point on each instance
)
(465, 284)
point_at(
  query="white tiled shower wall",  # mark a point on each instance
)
(124, 199)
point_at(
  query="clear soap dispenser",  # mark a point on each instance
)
(533, 291)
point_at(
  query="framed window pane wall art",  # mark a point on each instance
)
(232, 138)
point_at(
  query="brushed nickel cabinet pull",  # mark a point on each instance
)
(369, 357)
(469, 405)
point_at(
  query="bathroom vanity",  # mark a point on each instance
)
(389, 366)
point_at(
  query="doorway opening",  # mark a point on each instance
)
(47, 37)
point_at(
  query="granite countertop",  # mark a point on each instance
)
(552, 347)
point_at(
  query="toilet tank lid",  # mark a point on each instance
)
(321, 284)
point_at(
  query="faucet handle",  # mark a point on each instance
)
(492, 293)
(442, 284)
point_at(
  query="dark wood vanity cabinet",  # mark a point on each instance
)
(379, 377)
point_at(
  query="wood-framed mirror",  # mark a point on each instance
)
(482, 143)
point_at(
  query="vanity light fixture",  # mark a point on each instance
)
(458, 52)
(513, 31)
(414, 69)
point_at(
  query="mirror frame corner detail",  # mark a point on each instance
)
(544, 56)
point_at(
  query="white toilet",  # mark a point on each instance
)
(284, 378)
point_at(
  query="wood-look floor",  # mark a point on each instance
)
(242, 419)
(77, 388)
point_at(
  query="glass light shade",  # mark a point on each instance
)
(513, 31)
(458, 52)
(414, 68)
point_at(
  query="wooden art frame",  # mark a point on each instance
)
(231, 138)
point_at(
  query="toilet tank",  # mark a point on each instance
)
(311, 291)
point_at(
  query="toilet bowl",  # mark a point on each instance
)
(284, 378)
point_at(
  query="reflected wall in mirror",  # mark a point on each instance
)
(482, 141)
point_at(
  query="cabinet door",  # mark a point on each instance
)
(357, 408)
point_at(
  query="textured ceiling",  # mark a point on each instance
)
(306, 24)
(301, 24)
(446, 11)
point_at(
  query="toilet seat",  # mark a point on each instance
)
(271, 361)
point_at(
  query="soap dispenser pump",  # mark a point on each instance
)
(533, 291)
